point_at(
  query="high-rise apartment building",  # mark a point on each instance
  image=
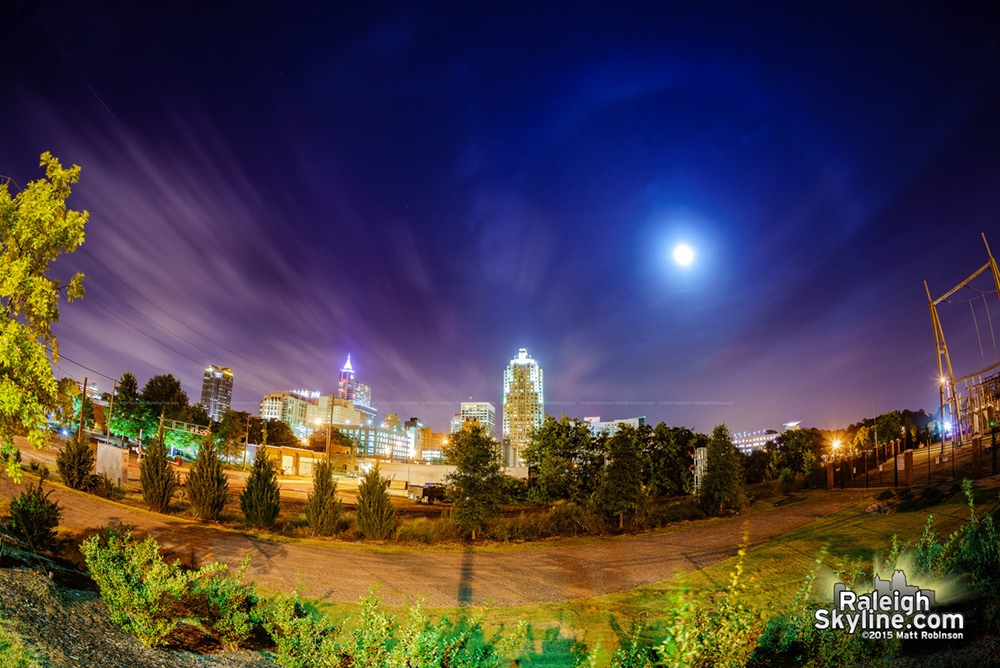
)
(217, 391)
(289, 407)
(523, 404)
(354, 390)
(482, 412)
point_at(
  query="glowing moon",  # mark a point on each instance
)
(683, 254)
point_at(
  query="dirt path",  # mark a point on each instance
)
(339, 572)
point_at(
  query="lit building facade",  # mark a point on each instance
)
(290, 408)
(343, 411)
(608, 427)
(217, 391)
(523, 404)
(378, 442)
(748, 441)
(482, 412)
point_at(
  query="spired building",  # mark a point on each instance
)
(352, 389)
(523, 405)
(217, 391)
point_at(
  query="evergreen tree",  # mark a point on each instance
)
(568, 460)
(76, 464)
(722, 486)
(207, 484)
(323, 508)
(376, 515)
(156, 477)
(477, 482)
(621, 492)
(261, 500)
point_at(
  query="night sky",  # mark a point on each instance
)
(431, 187)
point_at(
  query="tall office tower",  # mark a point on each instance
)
(217, 391)
(482, 412)
(523, 404)
(354, 390)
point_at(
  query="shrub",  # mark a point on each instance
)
(425, 530)
(787, 481)
(144, 594)
(884, 495)
(930, 494)
(905, 494)
(34, 517)
(376, 516)
(226, 606)
(261, 499)
(323, 508)
(76, 464)
(568, 519)
(677, 511)
(156, 477)
(207, 484)
(106, 488)
(303, 640)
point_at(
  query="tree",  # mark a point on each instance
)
(621, 490)
(277, 433)
(477, 484)
(669, 456)
(35, 229)
(261, 499)
(567, 458)
(323, 508)
(207, 485)
(376, 516)
(162, 395)
(722, 486)
(76, 463)
(156, 477)
(232, 431)
(126, 414)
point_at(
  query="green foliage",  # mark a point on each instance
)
(323, 508)
(226, 606)
(376, 516)
(35, 229)
(476, 485)
(232, 431)
(260, 501)
(666, 467)
(157, 477)
(14, 652)
(568, 461)
(76, 464)
(144, 594)
(723, 632)
(207, 484)
(273, 432)
(722, 486)
(621, 493)
(162, 395)
(127, 412)
(34, 517)
(105, 487)
(303, 639)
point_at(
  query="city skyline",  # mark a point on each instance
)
(431, 191)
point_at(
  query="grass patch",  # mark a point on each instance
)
(14, 653)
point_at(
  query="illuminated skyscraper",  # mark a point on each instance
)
(482, 412)
(354, 390)
(217, 391)
(523, 404)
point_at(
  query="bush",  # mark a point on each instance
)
(144, 594)
(568, 519)
(106, 488)
(905, 494)
(261, 499)
(303, 640)
(884, 495)
(787, 481)
(34, 517)
(677, 511)
(207, 484)
(376, 516)
(76, 464)
(930, 494)
(226, 606)
(157, 478)
(323, 508)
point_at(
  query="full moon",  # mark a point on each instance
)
(683, 254)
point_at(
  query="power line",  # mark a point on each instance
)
(175, 318)
(167, 329)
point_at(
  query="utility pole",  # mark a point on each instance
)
(83, 402)
(329, 431)
(111, 407)
(246, 442)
